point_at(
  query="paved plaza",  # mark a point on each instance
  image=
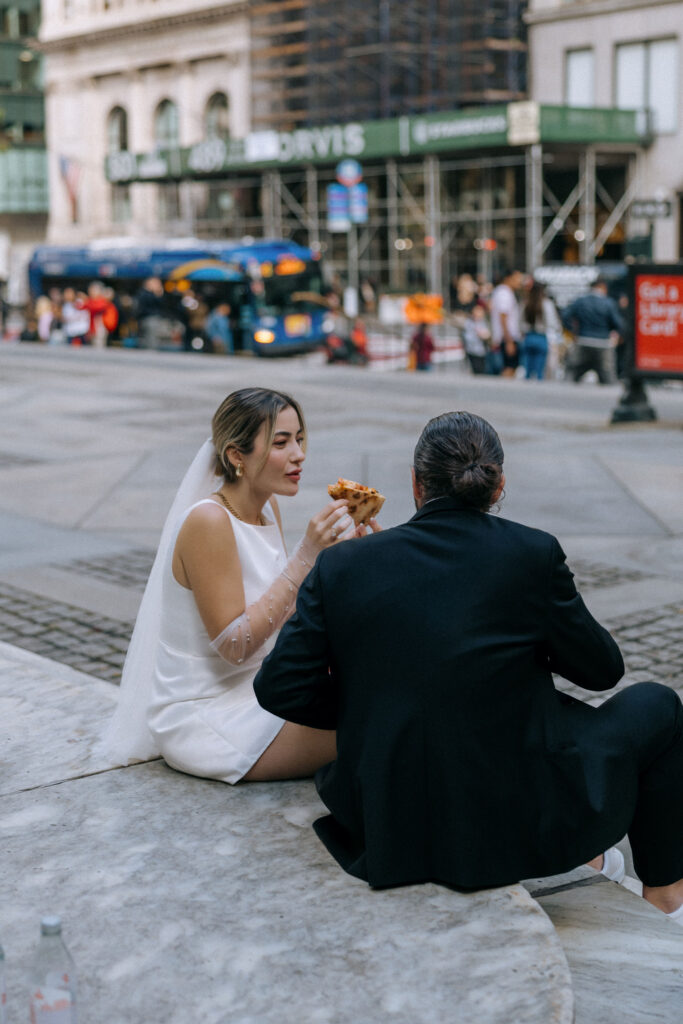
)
(93, 444)
(92, 447)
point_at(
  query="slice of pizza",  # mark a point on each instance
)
(364, 502)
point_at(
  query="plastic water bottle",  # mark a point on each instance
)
(53, 978)
(3, 989)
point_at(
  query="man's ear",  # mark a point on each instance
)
(499, 490)
(418, 492)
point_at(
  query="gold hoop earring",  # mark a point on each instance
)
(239, 469)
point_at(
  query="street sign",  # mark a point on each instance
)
(349, 172)
(651, 209)
(656, 346)
(338, 208)
(358, 204)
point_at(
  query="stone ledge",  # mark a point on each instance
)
(180, 894)
(185, 899)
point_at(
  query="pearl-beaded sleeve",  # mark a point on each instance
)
(249, 631)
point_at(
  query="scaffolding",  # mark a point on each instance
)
(322, 61)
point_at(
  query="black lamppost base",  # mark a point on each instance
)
(633, 405)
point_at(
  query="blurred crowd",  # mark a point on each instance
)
(513, 328)
(151, 318)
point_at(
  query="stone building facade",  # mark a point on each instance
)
(621, 53)
(136, 76)
(155, 104)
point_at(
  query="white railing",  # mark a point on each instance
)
(389, 349)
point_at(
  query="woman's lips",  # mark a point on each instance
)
(295, 475)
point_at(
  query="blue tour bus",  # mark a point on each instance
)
(274, 287)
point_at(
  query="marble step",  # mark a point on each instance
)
(625, 956)
(185, 899)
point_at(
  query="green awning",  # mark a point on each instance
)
(514, 124)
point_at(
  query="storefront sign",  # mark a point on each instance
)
(565, 282)
(494, 126)
(524, 123)
(435, 132)
(651, 209)
(657, 344)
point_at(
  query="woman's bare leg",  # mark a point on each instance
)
(665, 897)
(296, 753)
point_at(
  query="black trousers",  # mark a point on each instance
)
(648, 719)
(588, 357)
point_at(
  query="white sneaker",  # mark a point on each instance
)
(676, 916)
(614, 867)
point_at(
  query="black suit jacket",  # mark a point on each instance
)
(429, 648)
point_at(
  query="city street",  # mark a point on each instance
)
(94, 444)
(178, 891)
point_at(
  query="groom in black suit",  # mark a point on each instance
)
(430, 648)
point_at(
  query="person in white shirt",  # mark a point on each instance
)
(505, 326)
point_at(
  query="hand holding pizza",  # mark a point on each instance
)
(328, 525)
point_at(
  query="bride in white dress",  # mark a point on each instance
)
(220, 588)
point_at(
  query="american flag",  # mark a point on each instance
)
(70, 171)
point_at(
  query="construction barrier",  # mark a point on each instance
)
(390, 351)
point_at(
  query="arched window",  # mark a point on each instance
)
(117, 131)
(217, 117)
(166, 134)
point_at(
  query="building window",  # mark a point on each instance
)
(217, 117)
(117, 131)
(579, 85)
(168, 204)
(117, 142)
(647, 77)
(17, 23)
(166, 130)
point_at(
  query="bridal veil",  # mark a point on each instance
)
(127, 738)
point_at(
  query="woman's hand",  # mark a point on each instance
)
(329, 524)
(362, 530)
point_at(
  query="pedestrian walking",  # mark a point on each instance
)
(505, 327)
(422, 345)
(595, 322)
(539, 321)
(219, 330)
(476, 336)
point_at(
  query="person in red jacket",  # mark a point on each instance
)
(422, 344)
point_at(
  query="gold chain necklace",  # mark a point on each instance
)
(261, 520)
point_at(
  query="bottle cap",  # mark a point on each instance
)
(51, 925)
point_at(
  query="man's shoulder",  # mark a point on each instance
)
(531, 535)
(382, 545)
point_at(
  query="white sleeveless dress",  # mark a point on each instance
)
(203, 713)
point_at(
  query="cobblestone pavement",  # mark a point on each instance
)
(652, 645)
(129, 569)
(651, 642)
(591, 575)
(73, 636)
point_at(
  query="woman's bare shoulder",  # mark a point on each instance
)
(206, 519)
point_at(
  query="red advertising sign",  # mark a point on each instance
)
(658, 321)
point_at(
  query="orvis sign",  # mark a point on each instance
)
(514, 124)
